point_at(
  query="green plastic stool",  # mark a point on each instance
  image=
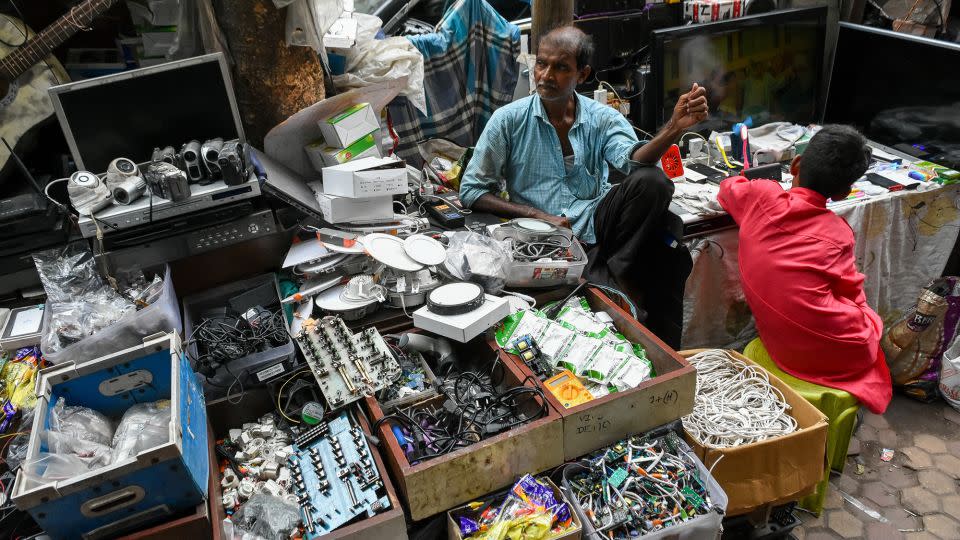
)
(838, 406)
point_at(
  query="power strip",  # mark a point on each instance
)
(347, 366)
(334, 476)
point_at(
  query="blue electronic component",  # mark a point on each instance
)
(335, 477)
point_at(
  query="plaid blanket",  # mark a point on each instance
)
(470, 70)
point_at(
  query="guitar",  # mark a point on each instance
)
(27, 70)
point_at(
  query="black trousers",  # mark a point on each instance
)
(633, 251)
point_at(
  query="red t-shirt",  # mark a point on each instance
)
(800, 279)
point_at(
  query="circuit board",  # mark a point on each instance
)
(334, 476)
(347, 366)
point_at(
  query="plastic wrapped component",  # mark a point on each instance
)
(81, 422)
(19, 444)
(66, 331)
(143, 426)
(480, 259)
(263, 516)
(68, 274)
(531, 510)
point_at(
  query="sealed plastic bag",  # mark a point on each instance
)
(480, 259)
(79, 435)
(263, 516)
(143, 426)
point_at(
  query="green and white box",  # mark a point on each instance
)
(347, 126)
(322, 155)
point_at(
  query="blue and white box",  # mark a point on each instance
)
(139, 490)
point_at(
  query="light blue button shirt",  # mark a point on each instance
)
(520, 145)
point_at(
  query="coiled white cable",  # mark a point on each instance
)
(735, 403)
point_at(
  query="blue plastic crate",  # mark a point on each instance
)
(143, 489)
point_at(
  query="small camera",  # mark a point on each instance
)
(167, 181)
(129, 190)
(88, 194)
(231, 164)
(166, 154)
(119, 170)
(191, 161)
(210, 151)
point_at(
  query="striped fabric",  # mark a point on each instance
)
(470, 70)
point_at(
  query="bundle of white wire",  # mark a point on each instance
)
(735, 403)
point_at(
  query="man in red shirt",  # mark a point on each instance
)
(798, 270)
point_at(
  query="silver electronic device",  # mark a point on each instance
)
(130, 114)
(146, 210)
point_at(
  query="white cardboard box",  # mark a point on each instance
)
(345, 127)
(367, 177)
(322, 155)
(343, 209)
(465, 326)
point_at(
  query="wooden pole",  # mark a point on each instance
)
(547, 15)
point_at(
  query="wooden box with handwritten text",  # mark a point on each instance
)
(657, 401)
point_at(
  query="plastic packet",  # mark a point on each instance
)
(582, 321)
(555, 339)
(264, 516)
(143, 426)
(68, 273)
(522, 323)
(19, 444)
(49, 467)
(82, 423)
(19, 376)
(531, 510)
(598, 390)
(480, 259)
(603, 364)
(578, 354)
(631, 372)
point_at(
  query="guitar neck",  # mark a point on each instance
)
(37, 48)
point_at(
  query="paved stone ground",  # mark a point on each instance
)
(917, 493)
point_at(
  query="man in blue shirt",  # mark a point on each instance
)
(553, 149)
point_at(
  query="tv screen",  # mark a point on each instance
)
(915, 104)
(766, 67)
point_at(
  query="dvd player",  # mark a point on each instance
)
(142, 212)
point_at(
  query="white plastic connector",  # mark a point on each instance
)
(229, 479)
(272, 488)
(246, 437)
(600, 96)
(254, 447)
(283, 477)
(270, 470)
(246, 489)
(230, 498)
(235, 434)
(281, 454)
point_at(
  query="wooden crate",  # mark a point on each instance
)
(456, 478)
(603, 421)
(389, 525)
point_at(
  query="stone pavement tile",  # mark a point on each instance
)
(921, 536)
(834, 500)
(951, 506)
(954, 448)
(821, 534)
(951, 414)
(948, 464)
(942, 526)
(930, 443)
(883, 531)
(799, 533)
(846, 482)
(916, 458)
(875, 420)
(880, 494)
(919, 500)
(867, 433)
(844, 523)
(899, 518)
(888, 438)
(897, 477)
(854, 448)
(937, 482)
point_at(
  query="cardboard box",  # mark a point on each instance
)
(322, 155)
(465, 326)
(349, 125)
(367, 177)
(705, 11)
(344, 209)
(655, 402)
(387, 525)
(441, 483)
(575, 532)
(775, 471)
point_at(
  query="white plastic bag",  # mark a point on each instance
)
(950, 375)
(143, 426)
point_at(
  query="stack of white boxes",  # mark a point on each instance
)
(358, 184)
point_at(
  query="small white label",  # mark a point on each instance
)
(271, 371)
(27, 322)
